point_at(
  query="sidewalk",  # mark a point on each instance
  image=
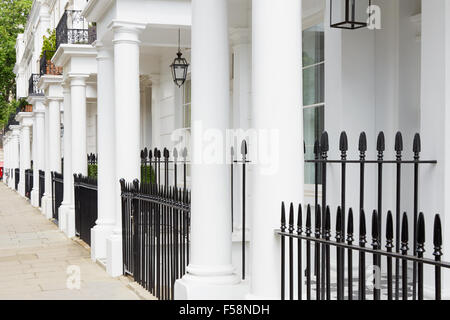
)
(35, 255)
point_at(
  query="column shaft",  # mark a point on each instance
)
(277, 117)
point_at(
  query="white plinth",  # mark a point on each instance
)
(99, 235)
(114, 261)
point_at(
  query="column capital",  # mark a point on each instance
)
(126, 31)
(104, 52)
(77, 79)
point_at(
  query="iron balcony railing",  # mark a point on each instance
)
(74, 29)
(46, 66)
(33, 89)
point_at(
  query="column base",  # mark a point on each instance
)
(47, 205)
(99, 235)
(21, 189)
(35, 198)
(114, 258)
(62, 217)
(70, 222)
(224, 287)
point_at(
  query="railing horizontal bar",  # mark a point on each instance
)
(160, 201)
(366, 249)
(374, 161)
(85, 185)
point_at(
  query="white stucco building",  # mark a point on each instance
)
(113, 95)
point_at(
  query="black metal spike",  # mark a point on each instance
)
(142, 155)
(166, 153)
(185, 152)
(381, 145)
(405, 236)
(389, 227)
(283, 217)
(150, 154)
(328, 220)
(362, 223)
(308, 217)
(324, 146)
(437, 236)
(304, 147)
(339, 220)
(291, 218)
(299, 219)
(362, 145)
(350, 222)
(421, 229)
(244, 148)
(375, 224)
(417, 145)
(399, 142)
(175, 153)
(316, 147)
(232, 152)
(343, 142)
(318, 221)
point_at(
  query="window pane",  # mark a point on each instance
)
(313, 120)
(313, 85)
(313, 48)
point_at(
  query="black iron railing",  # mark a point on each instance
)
(156, 223)
(41, 186)
(28, 182)
(46, 66)
(16, 178)
(299, 239)
(321, 163)
(57, 193)
(33, 89)
(85, 206)
(74, 29)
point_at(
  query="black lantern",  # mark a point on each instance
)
(179, 67)
(349, 14)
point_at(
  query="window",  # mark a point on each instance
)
(313, 92)
(187, 104)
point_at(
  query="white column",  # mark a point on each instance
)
(106, 153)
(79, 149)
(277, 111)
(25, 156)
(435, 129)
(53, 149)
(127, 129)
(210, 274)
(67, 202)
(46, 198)
(39, 140)
(34, 199)
(15, 152)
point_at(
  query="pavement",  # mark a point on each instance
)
(37, 261)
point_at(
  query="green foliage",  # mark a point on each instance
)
(10, 109)
(13, 18)
(92, 170)
(147, 174)
(49, 44)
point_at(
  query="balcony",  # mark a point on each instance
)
(74, 29)
(27, 108)
(33, 89)
(47, 66)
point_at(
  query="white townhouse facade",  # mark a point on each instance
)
(111, 93)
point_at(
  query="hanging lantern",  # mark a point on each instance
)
(349, 14)
(179, 66)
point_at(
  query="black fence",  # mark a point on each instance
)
(33, 85)
(28, 182)
(156, 222)
(74, 29)
(321, 162)
(85, 206)
(41, 186)
(57, 193)
(323, 243)
(16, 178)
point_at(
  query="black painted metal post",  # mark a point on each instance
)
(362, 256)
(317, 252)
(362, 157)
(420, 251)
(283, 262)
(389, 247)
(324, 146)
(343, 147)
(308, 253)
(404, 250)
(398, 149)
(376, 263)
(339, 252)
(327, 236)
(291, 252)
(380, 149)
(416, 150)
(437, 242)
(244, 162)
(299, 252)
(350, 240)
